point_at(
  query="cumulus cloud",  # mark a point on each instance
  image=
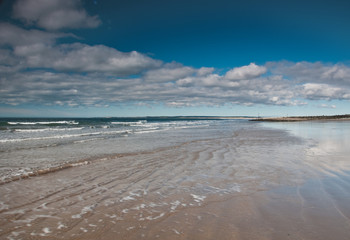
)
(11, 35)
(36, 68)
(169, 72)
(84, 58)
(316, 81)
(245, 72)
(316, 91)
(79, 74)
(38, 49)
(96, 89)
(54, 14)
(203, 71)
(54, 88)
(317, 72)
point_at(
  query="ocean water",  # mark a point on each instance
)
(28, 146)
(173, 178)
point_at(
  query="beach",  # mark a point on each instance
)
(193, 179)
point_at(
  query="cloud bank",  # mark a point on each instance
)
(54, 14)
(35, 68)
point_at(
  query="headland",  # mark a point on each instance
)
(304, 118)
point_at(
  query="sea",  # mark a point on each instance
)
(173, 178)
(30, 146)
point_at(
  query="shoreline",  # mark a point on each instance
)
(345, 117)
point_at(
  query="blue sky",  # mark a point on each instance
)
(64, 58)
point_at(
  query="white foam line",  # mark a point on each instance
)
(48, 129)
(79, 164)
(174, 205)
(88, 140)
(198, 198)
(141, 122)
(156, 217)
(148, 131)
(43, 123)
(50, 137)
(62, 136)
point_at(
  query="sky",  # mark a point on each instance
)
(98, 58)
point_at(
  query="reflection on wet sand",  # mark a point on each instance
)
(256, 184)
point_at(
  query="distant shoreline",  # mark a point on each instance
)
(345, 117)
(303, 118)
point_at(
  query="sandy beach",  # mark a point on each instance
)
(254, 183)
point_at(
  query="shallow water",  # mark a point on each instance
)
(227, 180)
(329, 150)
(28, 146)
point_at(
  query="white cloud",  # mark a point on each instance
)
(187, 81)
(90, 75)
(246, 72)
(210, 80)
(38, 49)
(84, 58)
(203, 71)
(307, 72)
(12, 35)
(316, 81)
(327, 106)
(324, 91)
(93, 89)
(54, 14)
(36, 69)
(169, 72)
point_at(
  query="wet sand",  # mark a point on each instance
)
(256, 184)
